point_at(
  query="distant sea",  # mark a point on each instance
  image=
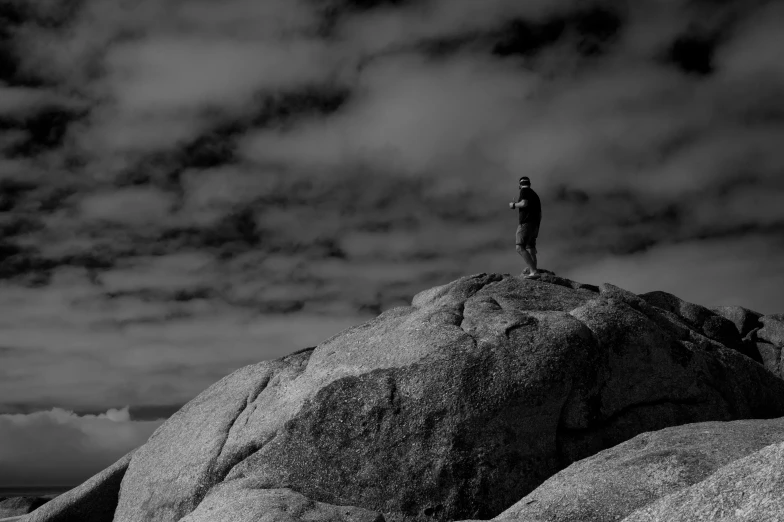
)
(33, 491)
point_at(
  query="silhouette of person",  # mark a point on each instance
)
(529, 217)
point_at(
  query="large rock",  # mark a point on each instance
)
(402, 414)
(454, 407)
(92, 501)
(750, 489)
(704, 320)
(615, 482)
(745, 320)
(185, 457)
(771, 358)
(772, 330)
(766, 341)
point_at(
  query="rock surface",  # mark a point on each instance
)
(170, 475)
(745, 320)
(771, 357)
(750, 489)
(615, 482)
(453, 408)
(772, 330)
(239, 501)
(14, 506)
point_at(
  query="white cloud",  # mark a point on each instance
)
(114, 141)
(71, 56)
(408, 113)
(249, 18)
(163, 90)
(180, 73)
(754, 53)
(59, 447)
(132, 206)
(160, 75)
(16, 101)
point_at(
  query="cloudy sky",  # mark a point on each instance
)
(186, 189)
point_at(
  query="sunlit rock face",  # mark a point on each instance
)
(455, 407)
(746, 489)
(621, 481)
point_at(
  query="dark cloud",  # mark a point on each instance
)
(332, 11)
(522, 37)
(693, 53)
(359, 5)
(43, 130)
(16, 16)
(231, 234)
(100, 257)
(591, 30)
(23, 264)
(179, 295)
(10, 67)
(212, 149)
(286, 108)
(51, 14)
(12, 191)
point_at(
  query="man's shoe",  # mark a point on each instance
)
(532, 276)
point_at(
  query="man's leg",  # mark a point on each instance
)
(531, 245)
(532, 252)
(528, 259)
(522, 245)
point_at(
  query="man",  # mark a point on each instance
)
(530, 215)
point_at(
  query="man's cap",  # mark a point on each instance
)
(524, 179)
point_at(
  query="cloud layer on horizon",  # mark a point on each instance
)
(60, 448)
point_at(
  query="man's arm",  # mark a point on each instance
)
(519, 204)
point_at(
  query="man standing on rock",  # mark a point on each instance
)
(530, 215)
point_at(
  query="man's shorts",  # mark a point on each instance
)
(526, 236)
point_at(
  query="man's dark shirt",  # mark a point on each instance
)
(531, 213)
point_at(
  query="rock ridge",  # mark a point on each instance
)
(455, 407)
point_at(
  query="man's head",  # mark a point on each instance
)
(525, 182)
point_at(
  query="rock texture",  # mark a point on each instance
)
(763, 335)
(93, 501)
(745, 320)
(767, 340)
(455, 407)
(14, 506)
(747, 490)
(239, 501)
(187, 456)
(615, 482)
